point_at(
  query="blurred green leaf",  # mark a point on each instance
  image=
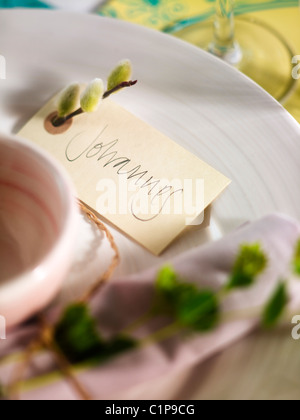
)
(118, 345)
(191, 307)
(250, 262)
(166, 284)
(169, 289)
(275, 306)
(296, 260)
(198, 309)
(76, 334)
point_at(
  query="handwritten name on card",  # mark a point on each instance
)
(134, 176)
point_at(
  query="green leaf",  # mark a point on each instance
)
(166, 284)
(122, 73)
(68, 100)
(192, 308)
(296, 260)
(169, 289)
(250, 262)
(275, 306)
(77, 336)
(198, 309)
(92, 96)
(118, 345)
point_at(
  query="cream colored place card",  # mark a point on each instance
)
(135, 177)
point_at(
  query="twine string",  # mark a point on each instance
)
(103, 279)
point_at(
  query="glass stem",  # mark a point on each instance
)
(224, 44)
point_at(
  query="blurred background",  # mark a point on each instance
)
(278, 74)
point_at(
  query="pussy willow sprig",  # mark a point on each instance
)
(95, 92)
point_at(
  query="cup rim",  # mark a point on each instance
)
(69, 224)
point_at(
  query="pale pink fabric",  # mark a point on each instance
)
(126, 298)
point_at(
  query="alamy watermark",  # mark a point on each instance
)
(296, 68)
(2, 68)
(146, 199)
(2, 328)
(296, 329)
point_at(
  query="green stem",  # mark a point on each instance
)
(242, 314)
(223, 293)
(161, 335)
(141, 321)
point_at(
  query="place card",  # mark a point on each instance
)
(138, 179)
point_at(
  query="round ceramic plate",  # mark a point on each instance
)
(194, 98)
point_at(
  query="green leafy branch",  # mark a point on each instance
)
(93, 95)
(76, 338)
(188, 307)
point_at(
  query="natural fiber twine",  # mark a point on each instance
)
(115, 260)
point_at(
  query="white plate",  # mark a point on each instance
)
(194, 98)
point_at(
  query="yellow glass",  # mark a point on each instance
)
(250, 45)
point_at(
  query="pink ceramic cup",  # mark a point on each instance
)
(38, 218)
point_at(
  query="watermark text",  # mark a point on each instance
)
(296, 68)
(151, 198)
(296, 329)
